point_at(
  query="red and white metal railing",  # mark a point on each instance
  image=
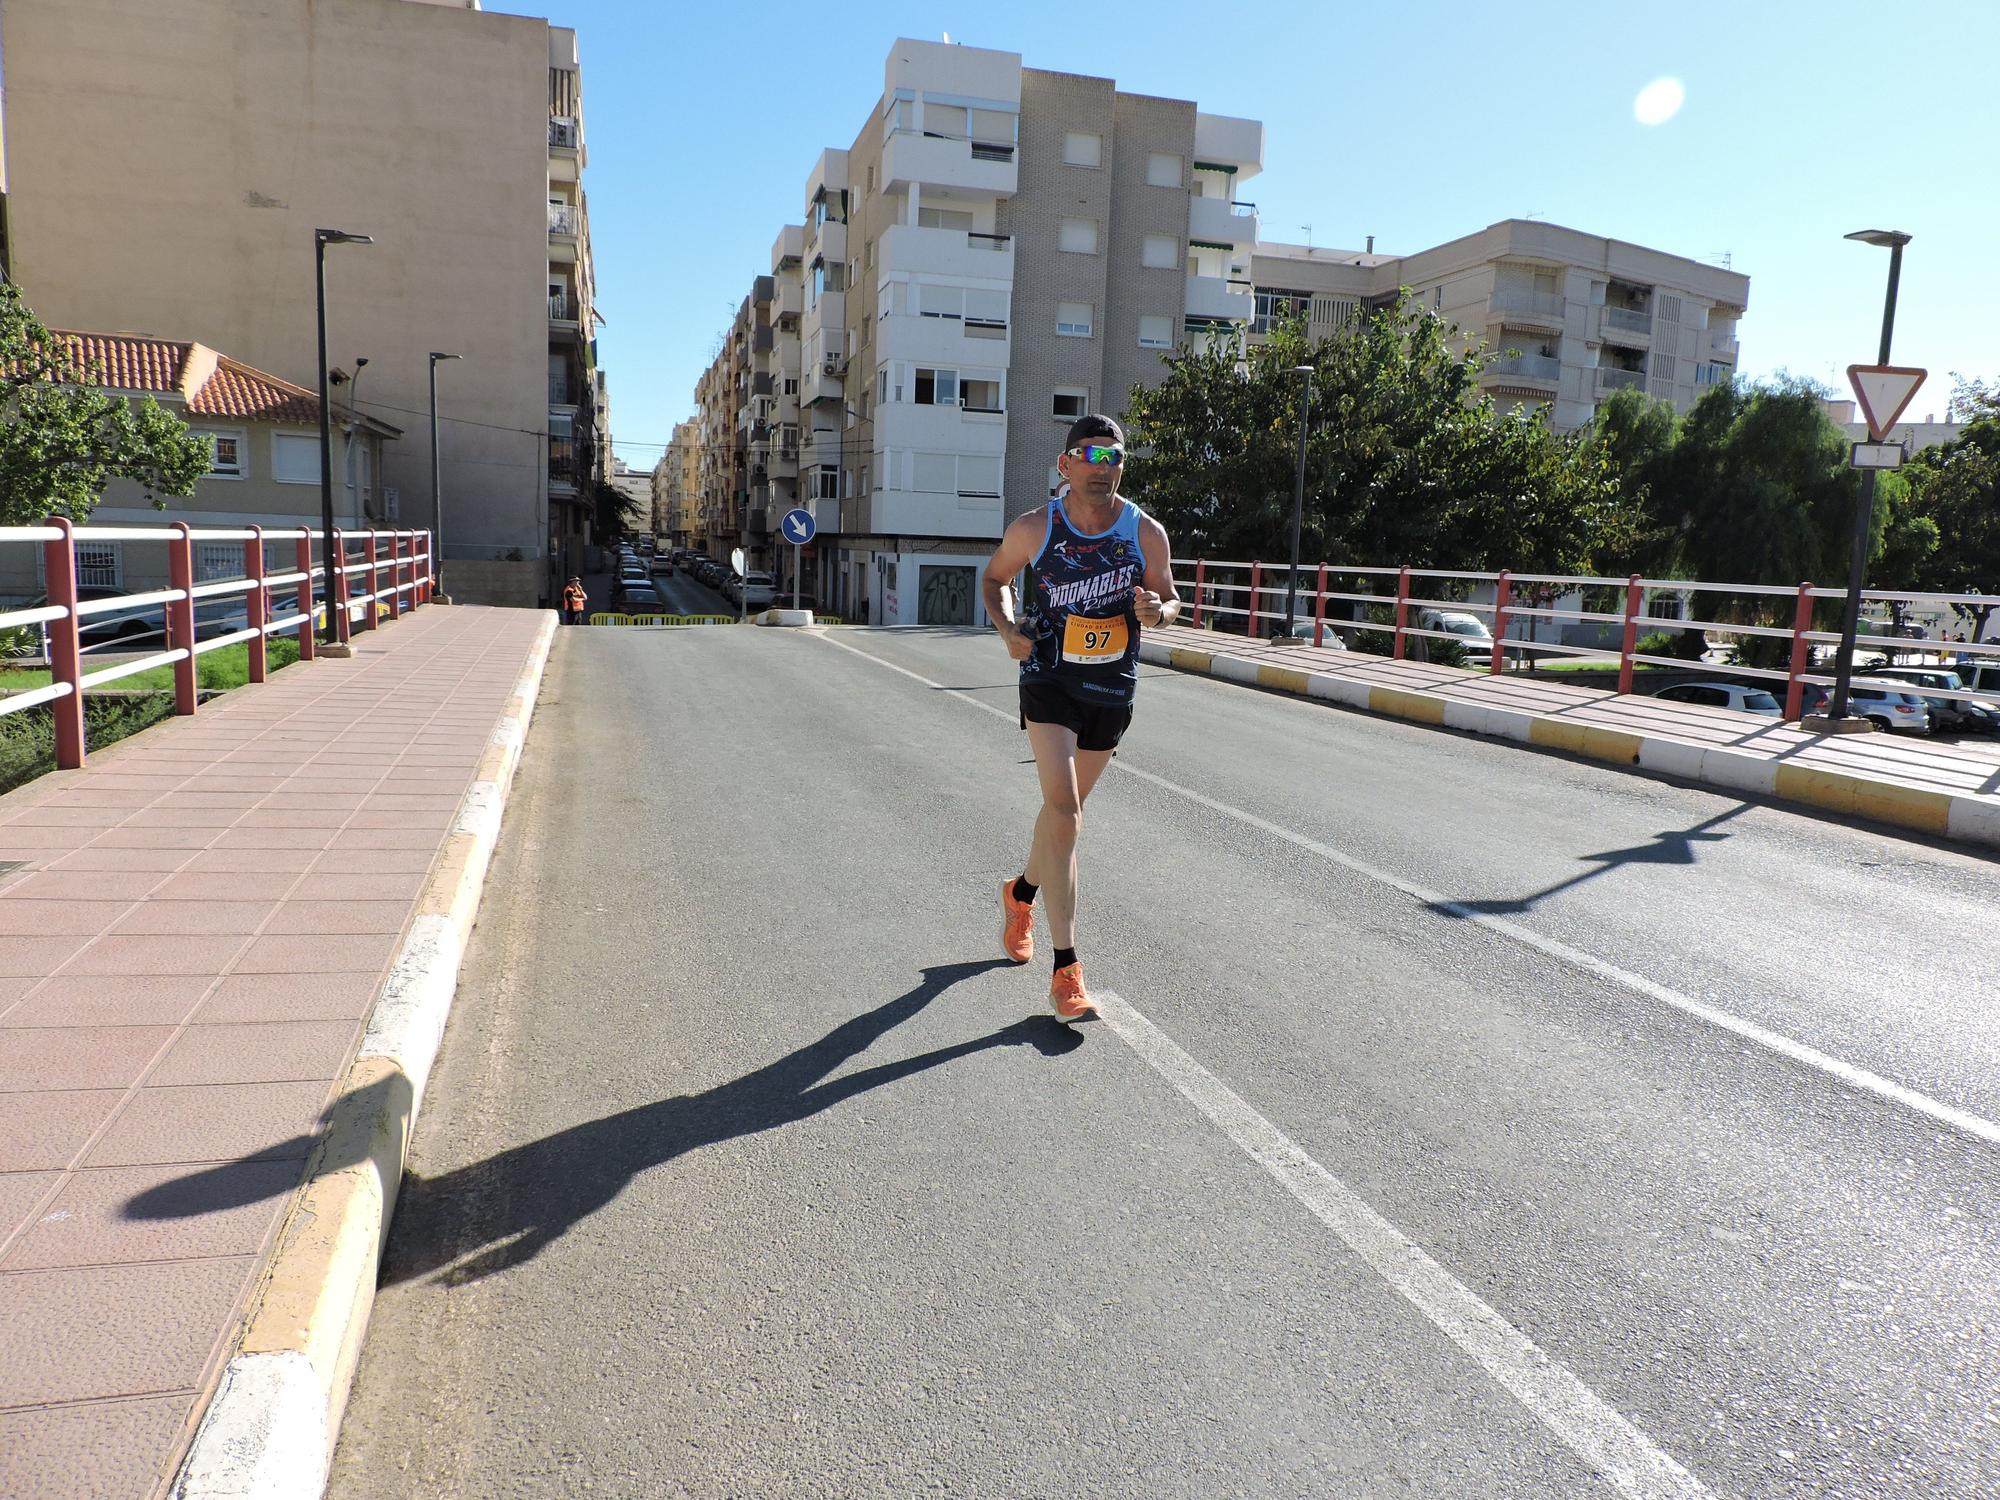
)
(399, 581)
(1258, 600)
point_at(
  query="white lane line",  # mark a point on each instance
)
(1627, 1459)
(1859, 1079)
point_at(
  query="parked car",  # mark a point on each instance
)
(637, 599)
(732, 585)
(1887, 709)
(755, 591)
(1469, 629)
(1734, 695)
(662, 563)
(1948, 715)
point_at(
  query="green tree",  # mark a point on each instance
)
(1405, 461)
(1956, 487)
(62, 439)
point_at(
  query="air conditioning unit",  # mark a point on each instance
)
(833, 364)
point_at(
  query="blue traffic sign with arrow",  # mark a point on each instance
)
(798, 526)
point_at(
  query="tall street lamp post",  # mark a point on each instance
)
(437, 491)
(1893, 241)
(335, 628)
(1298, 500)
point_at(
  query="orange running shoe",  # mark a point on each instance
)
(1066, 994)
(1017, 925)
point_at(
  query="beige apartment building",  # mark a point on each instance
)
(452, 136)
(998, 250)
(1570, 317)
(677, 488)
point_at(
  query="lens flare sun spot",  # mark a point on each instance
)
(1659, 101)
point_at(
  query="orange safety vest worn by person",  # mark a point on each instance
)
(574, 598)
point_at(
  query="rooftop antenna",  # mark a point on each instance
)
(1309, 235)
(1536, 213)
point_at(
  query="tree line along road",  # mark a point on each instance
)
(1467, 1121)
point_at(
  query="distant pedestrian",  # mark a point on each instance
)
(575, 602)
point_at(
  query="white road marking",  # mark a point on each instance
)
(1626, 1458)
(1859, 1079)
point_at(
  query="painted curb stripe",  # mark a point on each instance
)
(1947, 815)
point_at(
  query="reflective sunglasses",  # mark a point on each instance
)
(1099, 453)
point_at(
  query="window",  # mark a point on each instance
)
(871, 179)
(1163, 169)
(982, 394)
(868, 254)
(944, 218)
(936, 387)
(985, 309)
(882, 386)
(1071, 402)
(791, 385)
(1078, 236)
(1083, 150)
(826, 482)
(225, 454)
(1162, 252)
(950, 120)
(1156, 333)
(979, 474)
(940, 301)
(100, 565)
(216, 560)
(1073, 319)
(864, 481)
(295, 458)
(934, 473)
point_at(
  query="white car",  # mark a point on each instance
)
(756, 591)
(1745, 700)
(1469, 630)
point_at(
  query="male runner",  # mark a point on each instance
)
(1097, 571)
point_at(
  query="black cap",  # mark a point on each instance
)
(1095, 428)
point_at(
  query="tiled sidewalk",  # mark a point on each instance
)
(1965, 769)
(197, 925)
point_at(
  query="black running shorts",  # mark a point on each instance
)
(1097, 726)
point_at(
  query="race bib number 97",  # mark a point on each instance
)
(1086, 640)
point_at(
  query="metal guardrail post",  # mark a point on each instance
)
(65, 648)
(395, 575)
(305, 567)
(1256, 577)
(256, 603)
(336, 587)
(1503, 592)
(1319, 608)
(1795, 689)
(1402, 611)
(1200, 588)
(1630, 640)
(374, 576)
(180, 615)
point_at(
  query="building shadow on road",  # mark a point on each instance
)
(497, 1213)
(1674, 846)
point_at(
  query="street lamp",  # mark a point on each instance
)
(1893, 241)
(336, 629)
(437, 493)
(1298, 499)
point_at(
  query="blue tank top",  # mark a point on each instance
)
(1079, 607)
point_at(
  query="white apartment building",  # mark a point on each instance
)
(999, 250)
(1571, 316)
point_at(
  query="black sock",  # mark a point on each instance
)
(1023, 892)
(1065, 957)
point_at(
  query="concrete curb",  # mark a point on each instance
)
(1948, 815)
(270, 1430)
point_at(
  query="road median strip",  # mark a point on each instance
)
(1963, 817)
(270, 1431)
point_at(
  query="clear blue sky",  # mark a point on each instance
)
(1414, 121)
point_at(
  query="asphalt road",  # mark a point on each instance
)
(1468, 1121)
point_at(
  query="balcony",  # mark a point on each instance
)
(825, 514)
(565, 226)
(1628, 320)
(978, 168)
(1217, 221)
(761, 340)
(948, 252)
(563, 134)
(1216, 299)
(788, 301)
(827, 241)
(1524, 369)
(561, 312)
(944, 341)
(1227, 140)
(1539, 309)
(921, 513)
(1723, 347)
(1609, 380)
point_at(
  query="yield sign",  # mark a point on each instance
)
(1883, 391)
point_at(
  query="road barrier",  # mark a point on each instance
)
(1386, 596)
(611, 618)
(396, 580)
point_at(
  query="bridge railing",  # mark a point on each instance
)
(1247, 597)
(376, 574)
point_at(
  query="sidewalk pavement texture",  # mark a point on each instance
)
(227, 946)
(1947, 791)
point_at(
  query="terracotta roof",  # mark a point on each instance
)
(207, 383)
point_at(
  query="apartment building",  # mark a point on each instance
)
(167, 165)
(1570, 316)
(677, 487)
(998, 250)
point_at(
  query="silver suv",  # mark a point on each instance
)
(1948, 715)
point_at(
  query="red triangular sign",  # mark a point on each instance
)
(1883, 391)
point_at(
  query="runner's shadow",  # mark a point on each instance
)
(497, 1213)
